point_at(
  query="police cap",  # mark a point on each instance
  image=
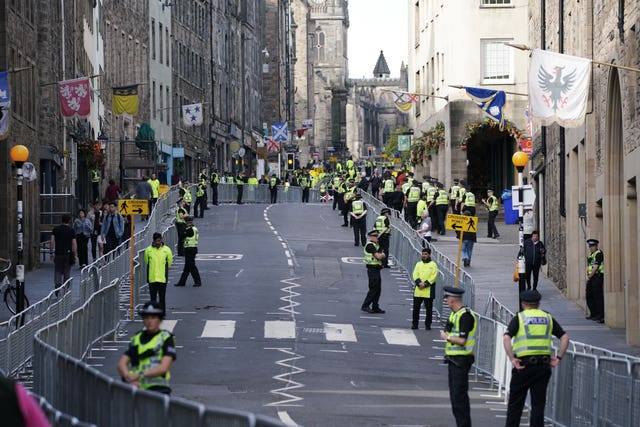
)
(188, 218)
(440, 185)
(151, 308)
(456, 180)
(463, 182)
(593, 242)
(358, 196)
(531, 296)
(385, 211)
(450, 291)
(373, 233)
(426, 177)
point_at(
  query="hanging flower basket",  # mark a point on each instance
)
(428, 144)
(472, 129)
(89, 151)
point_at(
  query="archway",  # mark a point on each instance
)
(489, 152)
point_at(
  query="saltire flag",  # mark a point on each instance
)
(125, 100)
(192, 114)
(280, 131)
(5, 105)
(558, 88)
(272, 145)
(404, 101)
(75, 99)
(490, 101)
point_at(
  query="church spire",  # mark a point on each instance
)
(381, 69)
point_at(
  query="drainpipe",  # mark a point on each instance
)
(561, 148)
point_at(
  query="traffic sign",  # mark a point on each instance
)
(462, 223)
(133, 207)
(163, 189)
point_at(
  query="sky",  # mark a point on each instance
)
(376, 25)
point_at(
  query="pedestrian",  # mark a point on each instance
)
(305, 184)
(240, 181)
(180, 226)
(491, 202)
(19, 408)
(527, 224)
(388, 189)
(190, 252)
(442, 205)
(453, 195)
(424, 229)
(527, 343)
(201, 191)
(347, 199)
(112, 228)
(468, 203)
(63, 244)
(155, 191)
(82, 227)
(144, 191)
(215, 180)
(112, 192)
(359, 220)
(373, 257)
(468, 241)
(187, 197)
(460, 335)
(203, 178)
(158, 258)
(147, 362)
(534, 257)
(425, 274)
(383, 227)
(420, 207)
(95, 183)
(273, 188)
(595, 282)
(95, 215)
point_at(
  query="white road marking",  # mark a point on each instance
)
(240, 272)
(339, 332)
(325, 315)
(400, 337)
(335, 351)
(287, 254)
(223, 348)
(183, 312)
(280, 238)
(290, 262)
(168, 325)
(286, 419)
(219, 329)
(272, 227)
(284, 245)
(388, 354)
(279, 329)
(232, 312)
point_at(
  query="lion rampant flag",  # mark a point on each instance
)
(125, 100)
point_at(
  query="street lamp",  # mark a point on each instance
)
(19, 154)
(520, 160)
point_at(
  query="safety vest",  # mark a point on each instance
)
(230, 180)
(442, 198)
(422, 205)
(336, 182)
(405, 187)
(340, 188)
(323, 188)
(452, 349)
(534, 333)
(304, 182)
(414, 194)
(187, 196)
(152, 352)
(158, 260)
(350, 193)
(369, 259)
(95, 175)
(338, 167)
(430, 193)
(591, 261)
(192, 242)
(178, 218)
(357, 207)
(426, 272)
(155, 187)
(453, 192)
(215, 178)
(388, 185)
(272, 182)
(493, 203)
(425, 187)
(470, 199)
(379, 224)
(200, 190)
(461, 192)
(349, 164)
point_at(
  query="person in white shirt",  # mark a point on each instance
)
(424, 229)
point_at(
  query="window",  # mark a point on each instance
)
(167, 41)
(153, 39)
(497, 61)
(416, 24)
(168, 105)
(418, 89)
(160, 48)
(318, 48)
(496, 2)
(161, 99)
(153, 100)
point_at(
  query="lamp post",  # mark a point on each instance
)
(520, 160)
(19, 154)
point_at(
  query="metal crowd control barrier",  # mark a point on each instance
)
(228, 193)
(72, 386)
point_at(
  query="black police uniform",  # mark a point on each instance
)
(375, 282)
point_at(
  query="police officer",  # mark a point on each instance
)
(442, 205)
(215, 180)
(453, 194)
(595, 282)
(425, 274)
(273, 188)
(158, 259)
(373, 257)
(460, 334)
(468, 203)
(412, 197)
(383, 227)
(147, 361)
(95, 183)
(187, 197)
(190, 252)
(155, 187)
(389, 187)
(358, 220)
(349, 193)
(527, 343)
(201, 199)
(181, 212)
(492, 204)
(461, 193)
(305, 183)
(203, 178)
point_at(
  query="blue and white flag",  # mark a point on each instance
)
(5, 104)
(192, 114)
(490, 101)
(280, 132)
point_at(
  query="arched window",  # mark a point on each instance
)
(318, 46)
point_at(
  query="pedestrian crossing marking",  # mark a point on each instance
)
(168, 325)
(279, 329)
(339, 332)
(400, 337)
(219, 329)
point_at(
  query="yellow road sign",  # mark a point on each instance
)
(133, 207)
(333, 159)
(462, 223)
(163, 188)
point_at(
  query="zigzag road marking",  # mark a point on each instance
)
(289, 399)
(291, 295)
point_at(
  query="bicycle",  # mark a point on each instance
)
(10, 294)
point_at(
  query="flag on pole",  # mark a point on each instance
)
(280, 131)
(272, 145)
(404, 101)
(192, 114)
(5, 105)
(75, 99)
(558, 88)
(125, 100)
(490, 101)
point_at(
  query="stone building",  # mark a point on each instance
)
(587, 175)
(371, 112)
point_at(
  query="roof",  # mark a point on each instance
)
(381, 69)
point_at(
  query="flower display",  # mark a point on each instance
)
(471, 129)
(428, 144)
(89, 151)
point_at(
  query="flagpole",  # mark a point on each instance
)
(55, 83)
(446, 98)
(505, 91)
(609, 64)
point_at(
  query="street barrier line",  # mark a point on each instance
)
(219, 329)
(400, 337)
(280, 329)
(342, 332)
